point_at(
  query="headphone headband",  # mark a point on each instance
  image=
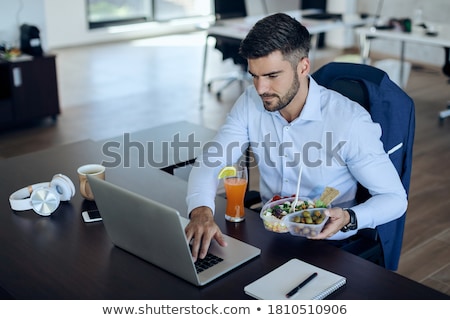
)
(20, 200)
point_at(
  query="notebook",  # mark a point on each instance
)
(151, 230)
(277, 283)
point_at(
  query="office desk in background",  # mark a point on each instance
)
(441, 39)
(367, 35)
(237, 28)
(61, 257)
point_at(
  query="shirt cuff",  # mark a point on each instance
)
(195, 201)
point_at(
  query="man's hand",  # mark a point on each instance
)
(201, 230)
(338, 219)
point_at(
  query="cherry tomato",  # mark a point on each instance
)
(276, 197)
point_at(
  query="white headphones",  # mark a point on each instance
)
(43, 197)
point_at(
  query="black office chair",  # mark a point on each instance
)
(229, 47)
(446, 70)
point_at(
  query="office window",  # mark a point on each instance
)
(103, 13)
(173, 9)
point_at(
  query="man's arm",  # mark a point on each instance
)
(226, 148)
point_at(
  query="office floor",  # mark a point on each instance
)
(110, 89)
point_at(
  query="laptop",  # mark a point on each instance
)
(155, 232)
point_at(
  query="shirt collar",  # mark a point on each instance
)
(312, 109)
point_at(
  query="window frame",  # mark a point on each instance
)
(149, 16)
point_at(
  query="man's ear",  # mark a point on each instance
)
(304, 66)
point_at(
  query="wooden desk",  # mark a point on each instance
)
(61, 257)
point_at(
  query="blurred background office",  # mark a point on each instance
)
(81, 22)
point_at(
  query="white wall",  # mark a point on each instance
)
(259, 7)
(13, 13)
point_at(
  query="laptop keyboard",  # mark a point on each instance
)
(209, 261)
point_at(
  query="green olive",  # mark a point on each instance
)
(319, 220)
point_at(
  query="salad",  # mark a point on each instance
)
(278, 207)
(282, 209)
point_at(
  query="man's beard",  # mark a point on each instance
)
(281, 102)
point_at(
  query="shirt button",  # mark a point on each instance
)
(286, 180)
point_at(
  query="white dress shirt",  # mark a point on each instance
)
(334, 139)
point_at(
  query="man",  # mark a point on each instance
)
(291, 121)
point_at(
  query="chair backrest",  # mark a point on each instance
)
(394, 110)
(446, 66)
(226, 9)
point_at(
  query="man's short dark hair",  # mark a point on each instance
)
(277, 32)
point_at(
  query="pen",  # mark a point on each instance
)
(301, 285)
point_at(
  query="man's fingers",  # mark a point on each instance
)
(219, 238)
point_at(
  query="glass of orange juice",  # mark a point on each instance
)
(235, 187)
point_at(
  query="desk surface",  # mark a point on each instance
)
(442, 39)
(239, 27)
(61, 257)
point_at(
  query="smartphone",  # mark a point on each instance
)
(91, 216)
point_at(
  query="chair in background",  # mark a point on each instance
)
(394, 110)
(229, 47)
(446, 70)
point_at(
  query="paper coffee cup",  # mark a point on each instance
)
(93, 170)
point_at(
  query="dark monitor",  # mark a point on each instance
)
(226, 9)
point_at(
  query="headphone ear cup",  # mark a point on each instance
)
(44, 201)
(63, 186)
